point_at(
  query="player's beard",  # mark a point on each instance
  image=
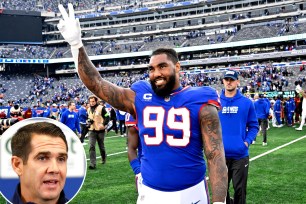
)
(165, 90)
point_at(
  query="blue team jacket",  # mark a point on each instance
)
(239, 124)
(262, 108)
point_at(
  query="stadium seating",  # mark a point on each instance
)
(194, 26)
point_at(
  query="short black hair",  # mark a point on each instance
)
(21, 140)
(171, 54)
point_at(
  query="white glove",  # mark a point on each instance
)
(70, 27)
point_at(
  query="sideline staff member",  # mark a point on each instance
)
(39, 158)
(239, 129)
(98, 119)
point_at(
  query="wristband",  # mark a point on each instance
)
(135, 164)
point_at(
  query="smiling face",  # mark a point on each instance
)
(43, 176)
(163, 74)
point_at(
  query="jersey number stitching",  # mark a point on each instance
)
(172, 123)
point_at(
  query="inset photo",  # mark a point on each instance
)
(42, 161)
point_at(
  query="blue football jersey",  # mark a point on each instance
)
(170, 135)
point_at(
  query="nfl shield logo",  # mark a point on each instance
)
(167, 98)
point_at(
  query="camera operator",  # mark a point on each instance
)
(97, 120)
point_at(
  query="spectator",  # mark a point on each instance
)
(302, 92)
(34, 111)
(28, 113)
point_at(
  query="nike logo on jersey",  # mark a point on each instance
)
(147, 97)
(196, 202)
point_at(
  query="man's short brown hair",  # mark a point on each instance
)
(93, 96)
(21, 140)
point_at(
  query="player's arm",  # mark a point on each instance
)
(214, 152)
(133, 140)
(118, 97)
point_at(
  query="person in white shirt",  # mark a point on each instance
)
(299, 90)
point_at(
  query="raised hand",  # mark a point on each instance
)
(70, 27)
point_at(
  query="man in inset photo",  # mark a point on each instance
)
(39, 158)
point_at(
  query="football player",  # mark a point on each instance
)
(175, 123)
(134, 147)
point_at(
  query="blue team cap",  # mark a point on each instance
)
(231, 74)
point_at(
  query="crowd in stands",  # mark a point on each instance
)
(29, 5)
(46, 5)
(254, 80)
(79, 5)
(29, 90)
(26, 51)
(192, 38)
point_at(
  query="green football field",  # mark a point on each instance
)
(276, 174)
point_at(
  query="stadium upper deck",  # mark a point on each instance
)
(203, 32)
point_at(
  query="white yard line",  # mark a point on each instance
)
(273, 150)
(277, 148)
(113, 136)
(110, 155)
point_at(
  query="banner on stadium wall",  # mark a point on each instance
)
(24, 61)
